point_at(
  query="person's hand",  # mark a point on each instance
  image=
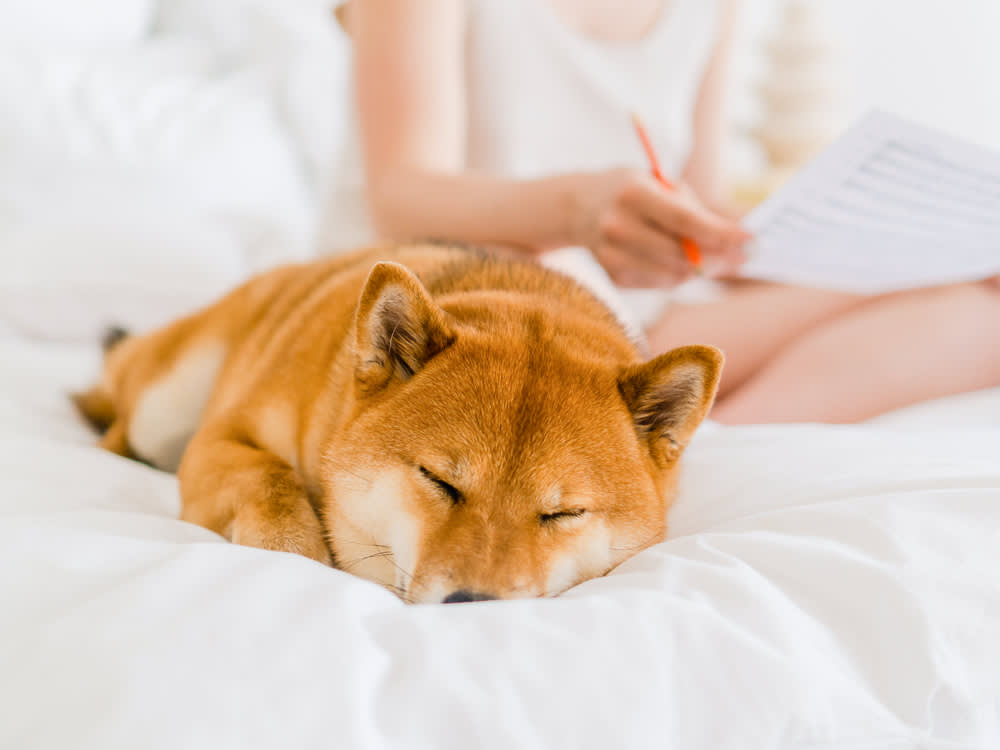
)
(634, 225)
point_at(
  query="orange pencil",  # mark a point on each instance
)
(689, 246)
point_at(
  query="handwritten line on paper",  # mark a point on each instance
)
(890, 206)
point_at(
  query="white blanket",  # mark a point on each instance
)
(823, 587)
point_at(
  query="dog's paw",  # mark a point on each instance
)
(299, 533)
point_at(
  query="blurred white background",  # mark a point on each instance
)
(131, 109)
(937, 61)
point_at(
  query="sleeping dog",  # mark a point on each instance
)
(452, 426)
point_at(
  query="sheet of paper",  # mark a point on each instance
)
(890, 206)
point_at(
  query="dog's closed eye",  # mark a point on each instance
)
(548, 518)
(451, 492)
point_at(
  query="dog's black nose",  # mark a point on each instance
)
(466, 596)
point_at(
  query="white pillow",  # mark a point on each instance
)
(169, 111)
(120, 251)
(73, 22)
(301, 44)
(245, 28)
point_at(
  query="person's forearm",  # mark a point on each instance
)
(532, 215)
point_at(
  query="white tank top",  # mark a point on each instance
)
(542, 98)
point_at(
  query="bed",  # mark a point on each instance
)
(821, 587)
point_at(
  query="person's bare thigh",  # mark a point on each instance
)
(898, 350)
(751, 323)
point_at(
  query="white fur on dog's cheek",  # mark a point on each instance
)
(433, 593)
(372, 521)
(588, 557)
(168, 413)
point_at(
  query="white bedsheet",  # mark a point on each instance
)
(824, 587)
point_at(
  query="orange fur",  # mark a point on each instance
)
(450, 425)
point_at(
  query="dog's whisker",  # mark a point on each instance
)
(358, 560)
(385, 554)
(401, 593)
(356, 543)
(407, 574)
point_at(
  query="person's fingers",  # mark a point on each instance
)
(669, 213)
(634, 278)
(644, 241)
(737, 234)
(681, 216)
(627, 269)
(736, 253)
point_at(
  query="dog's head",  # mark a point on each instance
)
(502, 456)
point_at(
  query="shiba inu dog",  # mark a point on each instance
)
(452, 426)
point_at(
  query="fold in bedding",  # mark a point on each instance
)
(823, 587)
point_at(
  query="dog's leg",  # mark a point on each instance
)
(248, 495)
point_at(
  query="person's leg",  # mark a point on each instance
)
(887, 354)
(750, 324)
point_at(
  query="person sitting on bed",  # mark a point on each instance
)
(506, 123)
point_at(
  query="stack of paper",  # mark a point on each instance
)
(890, 206)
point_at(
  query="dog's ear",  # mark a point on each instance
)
(342, 12)
(670, 395)
(96, 407)
(399, 328)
